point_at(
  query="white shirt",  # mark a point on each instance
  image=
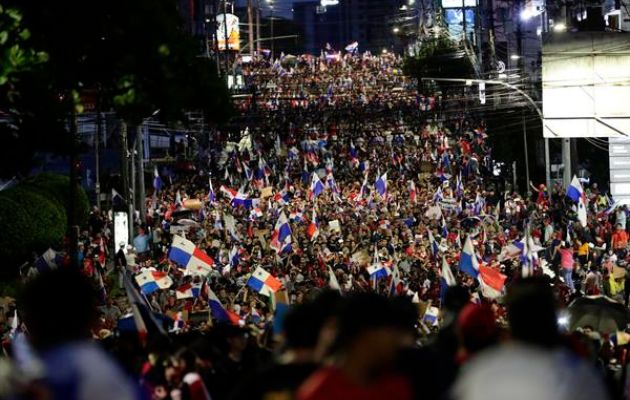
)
(518, 371)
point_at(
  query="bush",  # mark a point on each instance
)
(57, 187)
(16, 227)
(33, 216)
(46, 223)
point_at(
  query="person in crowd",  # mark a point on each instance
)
(532, 364)
(74, 366)
(365, 322)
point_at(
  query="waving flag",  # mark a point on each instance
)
(435, 248)
(157, 181)
(354, 155)
(468, 259)
(185, 253)
(281, 235)
(235, 256)
(447, 279)
(332, 280)
(396, 284)
(413, 195)
(178, 199)
(431, 315)
(444, 228)
(459, 189)
(491, 282)
(381, 184)
(228, 192)
(479, 204)
(378, 270)
(211, 196)
(312, 231)
(188, 290)
(352, 47)
(282, 197)
(219, 312)
(283, 227)
(575, 190)
(447, 274)
(438, 196)
(364, 188)
(151, 281)
(317, 187)
(263, 282)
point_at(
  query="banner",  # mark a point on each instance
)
(233, 32)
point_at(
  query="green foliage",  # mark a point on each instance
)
(15, 55)
(69, 47)
(57, 188)
(438, 58)
(33, 216)
(31, 223)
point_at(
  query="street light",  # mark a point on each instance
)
(560, 27)
(515, 57)
(396, 29)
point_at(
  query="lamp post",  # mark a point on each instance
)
(271, 21)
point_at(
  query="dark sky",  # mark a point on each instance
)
(281, 7)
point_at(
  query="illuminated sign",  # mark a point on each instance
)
(121, 229)
(233, 32)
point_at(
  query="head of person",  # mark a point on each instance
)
(58, 307)
(368, 331)
(532, 313)
(477, 328)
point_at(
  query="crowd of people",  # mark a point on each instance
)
(338, 241)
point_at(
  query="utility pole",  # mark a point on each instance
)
(250, 26)
(566, 160)
(526, 154)
(97, 155)
(132, 190)
(272, 41)
(258, 27)
(141, 197)
(124, 156)
(227, 41)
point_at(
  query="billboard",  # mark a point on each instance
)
(233, 32)
(586, 84)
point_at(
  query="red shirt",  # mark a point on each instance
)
(331, 384)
